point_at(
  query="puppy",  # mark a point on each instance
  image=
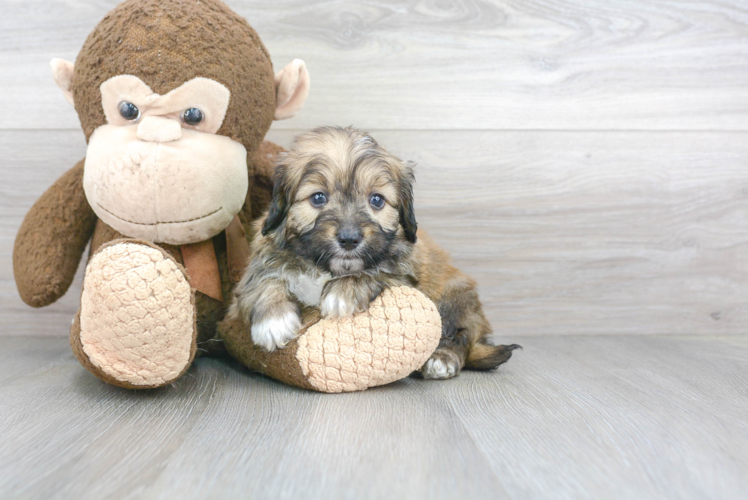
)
(339, 230)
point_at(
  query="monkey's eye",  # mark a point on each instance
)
(318, 200)
(377, 201)
(129, 111)
(193, 116)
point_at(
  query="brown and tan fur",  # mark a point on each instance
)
(339, 255)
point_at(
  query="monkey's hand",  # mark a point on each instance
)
(51, 240)
(348, 295)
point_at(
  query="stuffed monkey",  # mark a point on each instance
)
(175, 99)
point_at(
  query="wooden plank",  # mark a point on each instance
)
(591, 233)
(567, 417)
(565, 232)
(464, 64)
(32, 162)
(85, 439)
(617, 417)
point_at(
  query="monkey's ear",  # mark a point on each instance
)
(291, 89)
(62, 72)
(407, 215)
(279, 204)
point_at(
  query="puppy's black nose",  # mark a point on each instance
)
(349, 238)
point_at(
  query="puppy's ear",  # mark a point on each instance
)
(407, 215)
(279, 204)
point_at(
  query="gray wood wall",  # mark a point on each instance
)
(584, 160)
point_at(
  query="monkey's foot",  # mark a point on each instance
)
(136, 324)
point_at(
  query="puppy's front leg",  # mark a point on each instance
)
(271, 311)
(349, 294)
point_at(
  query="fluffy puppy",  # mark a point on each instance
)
(340, 229)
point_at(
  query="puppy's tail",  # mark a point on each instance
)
(484, 356)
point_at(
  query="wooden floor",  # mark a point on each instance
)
(568, 417)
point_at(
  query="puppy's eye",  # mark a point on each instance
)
(377, 201)
(129, 111)
(192, 116)
(318, 200)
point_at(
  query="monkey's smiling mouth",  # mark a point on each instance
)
(157, 223)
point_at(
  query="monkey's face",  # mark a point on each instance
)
(171, 107)
(342, 202)
(157, 170)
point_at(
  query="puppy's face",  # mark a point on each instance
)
(342, 202)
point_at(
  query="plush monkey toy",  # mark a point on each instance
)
(175, 99)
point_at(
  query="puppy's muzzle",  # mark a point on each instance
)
(349, 239)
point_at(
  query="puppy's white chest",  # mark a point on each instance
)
(308, 289)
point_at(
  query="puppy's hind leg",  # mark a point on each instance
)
(465, 332)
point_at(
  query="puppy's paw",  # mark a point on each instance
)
(273, 332)
(348, 295)
(334, 306)
(443, 364)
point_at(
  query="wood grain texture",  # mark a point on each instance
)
(31, 163)
(565, 232)
(448, 64)
(575, 417)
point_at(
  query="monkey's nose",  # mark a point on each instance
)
(349, 238)
(159, 129)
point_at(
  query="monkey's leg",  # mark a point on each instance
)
(136, 325)
(465, 331)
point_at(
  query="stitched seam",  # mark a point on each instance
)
(156, 223)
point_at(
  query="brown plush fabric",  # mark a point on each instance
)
(237, 249)
(261, 167)
(280, 364)
(52, 239)
(168, 42)
(263, 163)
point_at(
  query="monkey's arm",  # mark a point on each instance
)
(261, 167)
(51, 240)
